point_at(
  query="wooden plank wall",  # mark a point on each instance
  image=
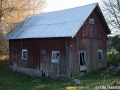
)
(89, 38)
(34, 47)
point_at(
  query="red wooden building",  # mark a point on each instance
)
(60, 43)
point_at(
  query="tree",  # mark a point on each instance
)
(12, 12)
(116, 43)
(111, 10)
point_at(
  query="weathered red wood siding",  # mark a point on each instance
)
(90, 38)
(34, 47)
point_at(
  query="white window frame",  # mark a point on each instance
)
(55, 60)
(101, 55)
(22, 54)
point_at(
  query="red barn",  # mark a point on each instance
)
(61, 43)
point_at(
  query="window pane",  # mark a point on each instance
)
(25, 54)
(100, 55)
(57, 56)
(54, 55)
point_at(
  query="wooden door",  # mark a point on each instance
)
(55, 68)
(55, 62)
(43, 60)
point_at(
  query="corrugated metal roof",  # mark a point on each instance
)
(63, 23)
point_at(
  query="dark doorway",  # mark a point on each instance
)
(82, 57)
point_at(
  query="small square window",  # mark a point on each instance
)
(91, 21)
(100, 55)
(55, 56)
(24, 54)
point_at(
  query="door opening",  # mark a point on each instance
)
(82, 57)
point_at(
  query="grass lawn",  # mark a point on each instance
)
(10, 80)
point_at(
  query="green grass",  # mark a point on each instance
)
(10, 80)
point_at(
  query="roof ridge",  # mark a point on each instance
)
(66, 9)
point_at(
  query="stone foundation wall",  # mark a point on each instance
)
(32, 72)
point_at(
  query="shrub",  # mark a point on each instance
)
(113, 58)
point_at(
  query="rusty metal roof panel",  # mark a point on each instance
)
(63, 23)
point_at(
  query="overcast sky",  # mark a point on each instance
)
(54, 5)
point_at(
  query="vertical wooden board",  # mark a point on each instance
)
(49, 55)
(105, 59)
(14, 56)
(10, 51)
(68, 58)
(92, 61)
(86, 26)
(96, 55)
(61, 61)
(55, 69)
(43, 60)
(75, 58)
(91, 49)
(10, 57)
(77, 54)
(72, 58)
(87, 54)
(90, 30)
(36, 60)
(18, 55)
(97, 62)
(93, 55)
(30, 56)
(63, 65)
(64, 60)
(97, 28)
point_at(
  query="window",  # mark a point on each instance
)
(91, 21)
(100, 55)
(55, 56)
(24, 54)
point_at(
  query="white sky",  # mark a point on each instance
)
(54, 5)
